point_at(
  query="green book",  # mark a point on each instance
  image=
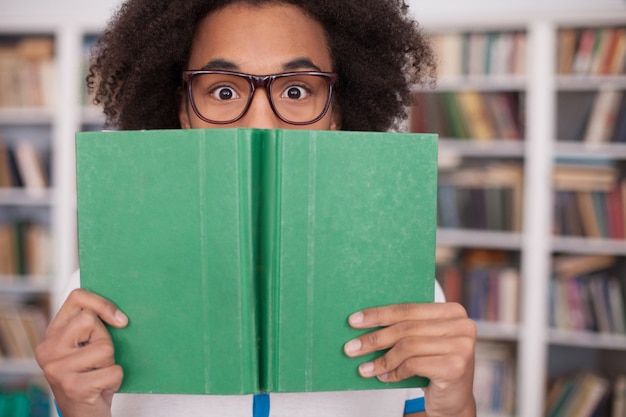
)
(238, 254)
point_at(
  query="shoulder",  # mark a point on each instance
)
(439, 295)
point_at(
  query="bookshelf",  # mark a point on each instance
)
(543, 353)
(49, 126)
(540, 353)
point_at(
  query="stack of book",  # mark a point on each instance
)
(469, 115)
(589, 201)
(592, 51)
(480, 53)
(27, 72)
(486, 197)
(587, 295)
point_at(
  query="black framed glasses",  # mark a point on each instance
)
(222, 97)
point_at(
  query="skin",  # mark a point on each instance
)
(433, 340)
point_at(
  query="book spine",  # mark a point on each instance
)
(269, 252)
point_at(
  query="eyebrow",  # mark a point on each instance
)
(293, 65)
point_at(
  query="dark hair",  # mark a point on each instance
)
(378, 50)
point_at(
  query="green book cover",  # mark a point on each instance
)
(238, 254)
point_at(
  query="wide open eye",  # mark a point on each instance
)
(295, 92)
(224, 93)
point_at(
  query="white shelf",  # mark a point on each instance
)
(24, 285)
(26, 116)
(19, 367)
(583, 245)
(587, 339)
(497, 331)
(23, 197)
(479, 239)
(535, 244)
(583, 150)
(483, 149)
(590, 82)
(92, 115)
(482, 83)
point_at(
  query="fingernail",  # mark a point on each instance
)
(353, 346)
(383, 377)
(356, 318)
(366, 368)
(121, 317)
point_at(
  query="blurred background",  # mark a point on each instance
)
(531, 114)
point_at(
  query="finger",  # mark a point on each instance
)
(83, 328)
(80, 300)
(96, 356)
(447, 367)
(436, 368)
(404, 349)
(387, 315)
(389, 336)
(89, 386)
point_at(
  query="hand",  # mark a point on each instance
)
(434, 340)
(76, 355)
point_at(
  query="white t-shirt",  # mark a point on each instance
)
(368, 403)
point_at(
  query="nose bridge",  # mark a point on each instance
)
(260, 113)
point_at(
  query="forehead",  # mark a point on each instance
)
(259, 39)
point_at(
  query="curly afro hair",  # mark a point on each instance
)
(378, 50)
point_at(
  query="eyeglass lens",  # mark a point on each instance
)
(297, 98)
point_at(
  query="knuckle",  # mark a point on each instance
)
(410, 366)
(374, 314)
(372, 339)
(404, 346)
(50, 373)
(71, 388)
(106, 349)
(456, 367)
(41, 353)
(406, 327)
(76, 295)
(404, 308)
(87, 318)
(118, 372)
(384, 362)
(471, 330)
(457, 309)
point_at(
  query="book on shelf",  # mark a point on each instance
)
(619, 396)
(587, 295)
(591, 51)
(573, 110)
(27, 71)
(589, 117)
(449, 52)
(578, 395)
(619, 128)
(475, 115)
(468, 115)
(22, 165)
(269, 239)
(566, 44)
(451, 281)
(479, 53)
(22, 328)
(25, 250)
(589, 201)
(485, 281)
(6, 179)
(494, 378)
(485, 197)
(603, 116)
(492, 293)
(30, 166)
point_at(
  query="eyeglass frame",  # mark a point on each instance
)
(259, 81)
